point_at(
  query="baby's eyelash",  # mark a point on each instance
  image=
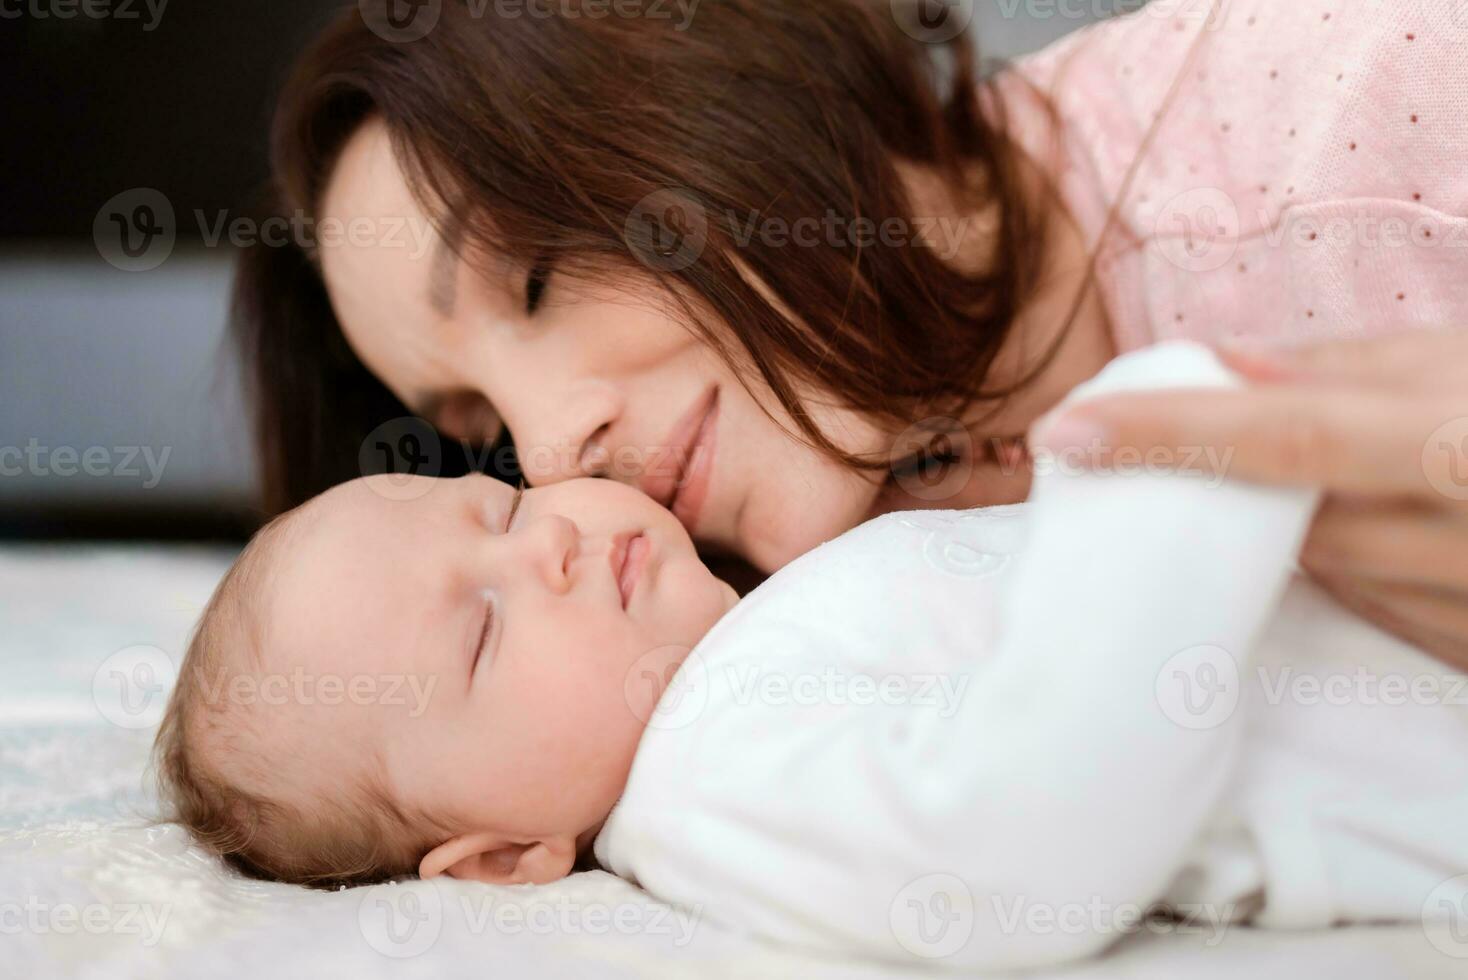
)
(515, 506)
(484, 630)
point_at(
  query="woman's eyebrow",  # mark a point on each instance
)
(443, 274)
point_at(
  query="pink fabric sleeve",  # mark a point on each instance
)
(1307, 178)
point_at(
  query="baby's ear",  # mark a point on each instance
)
(498, 860)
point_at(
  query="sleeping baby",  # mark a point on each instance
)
(1089, 702)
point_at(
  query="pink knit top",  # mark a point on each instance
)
(1308, 176)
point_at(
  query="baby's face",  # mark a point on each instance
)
(513, 638)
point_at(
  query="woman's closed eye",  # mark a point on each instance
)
(535, 285)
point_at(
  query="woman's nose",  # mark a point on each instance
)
(563, 435)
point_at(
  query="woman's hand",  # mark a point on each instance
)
(1380, 425)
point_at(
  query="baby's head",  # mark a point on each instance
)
(402, 678)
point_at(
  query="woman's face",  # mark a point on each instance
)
(598, 380)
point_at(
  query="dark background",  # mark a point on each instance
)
(98, 106)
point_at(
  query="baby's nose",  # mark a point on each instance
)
(554, 543)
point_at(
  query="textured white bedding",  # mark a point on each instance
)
(88, 888)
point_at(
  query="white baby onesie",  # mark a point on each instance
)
(990, 738)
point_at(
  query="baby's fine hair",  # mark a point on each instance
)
(216, 775)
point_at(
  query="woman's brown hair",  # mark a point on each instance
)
(544, 133)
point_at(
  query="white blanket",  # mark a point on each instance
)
(993, 739)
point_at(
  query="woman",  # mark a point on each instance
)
(702, 259)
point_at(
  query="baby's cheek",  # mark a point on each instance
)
(703, 601)
(633, 701)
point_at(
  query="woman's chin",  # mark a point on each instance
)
(799, 526)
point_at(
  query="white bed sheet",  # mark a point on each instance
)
(88, 888)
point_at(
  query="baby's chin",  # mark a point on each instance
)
(692, 600)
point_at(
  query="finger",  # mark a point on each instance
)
(1396, 360)
(1397, 545)
(1341, 439)
(1433, 621)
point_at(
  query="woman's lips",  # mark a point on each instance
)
(680, 475)
(629, 557)
(693, 484)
